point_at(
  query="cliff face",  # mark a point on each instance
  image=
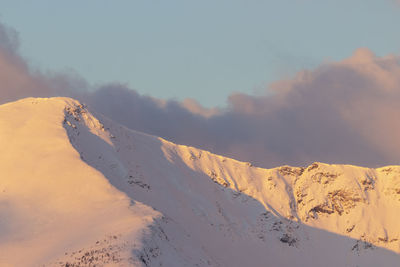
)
(81, 189)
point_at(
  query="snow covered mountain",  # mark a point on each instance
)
(77, 189)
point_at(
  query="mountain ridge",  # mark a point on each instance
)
(225, 207)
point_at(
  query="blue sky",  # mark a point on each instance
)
(205, 49)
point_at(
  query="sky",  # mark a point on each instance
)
(271, 83)
(205, 50)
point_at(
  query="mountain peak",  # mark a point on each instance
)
(79, 189)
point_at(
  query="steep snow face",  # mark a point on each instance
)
(73, 184)
(51, 202)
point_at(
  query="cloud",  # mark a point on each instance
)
(340, 112)
(18, 79)
(15, 76)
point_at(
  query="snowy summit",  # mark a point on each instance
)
(77, 189)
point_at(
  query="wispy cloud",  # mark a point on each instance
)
(340, 112)
(18, 79)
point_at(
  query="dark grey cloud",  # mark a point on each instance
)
(340, 112)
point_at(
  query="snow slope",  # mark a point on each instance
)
(50, 200)
(77, 188)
